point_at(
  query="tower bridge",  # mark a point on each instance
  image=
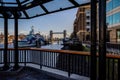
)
(52, 33)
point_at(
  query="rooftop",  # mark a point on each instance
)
(34, 8)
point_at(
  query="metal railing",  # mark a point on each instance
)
(111, 47)
(65, 60)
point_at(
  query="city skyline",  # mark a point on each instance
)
(57, 22)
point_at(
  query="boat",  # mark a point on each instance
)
(72, 44)
(32, 40)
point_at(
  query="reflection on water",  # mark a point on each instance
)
(9, 45)
(51, 46)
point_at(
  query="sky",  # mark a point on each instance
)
(57, 22)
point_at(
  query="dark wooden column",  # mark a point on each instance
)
(93, 66)
(16, 55)
(102, 39)
(6, 66)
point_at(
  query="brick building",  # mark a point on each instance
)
(82, 23)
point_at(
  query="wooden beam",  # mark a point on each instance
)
(44, 8)
(74, 2)
(19, 4)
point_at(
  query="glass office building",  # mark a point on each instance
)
(113, 19)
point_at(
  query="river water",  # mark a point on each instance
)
(59, 46)
(51, 46)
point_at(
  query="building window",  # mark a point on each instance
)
(118, 35)
(88, 23)
(113, 19)
(88, 17)
(112, 5)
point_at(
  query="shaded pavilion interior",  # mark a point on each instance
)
(28, 9)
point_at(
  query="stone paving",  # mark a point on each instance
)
(27, 74)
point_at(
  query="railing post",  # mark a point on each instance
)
(8, 54)
(68, 65)
(118, 69)
(25, 57)
(93, 58)
(41, 60)
(0, 56)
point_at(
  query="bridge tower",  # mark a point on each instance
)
(64, 33)
(51, 34)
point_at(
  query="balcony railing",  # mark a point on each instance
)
(111, 47)
(71, 61)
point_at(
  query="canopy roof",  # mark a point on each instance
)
(33, 8)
